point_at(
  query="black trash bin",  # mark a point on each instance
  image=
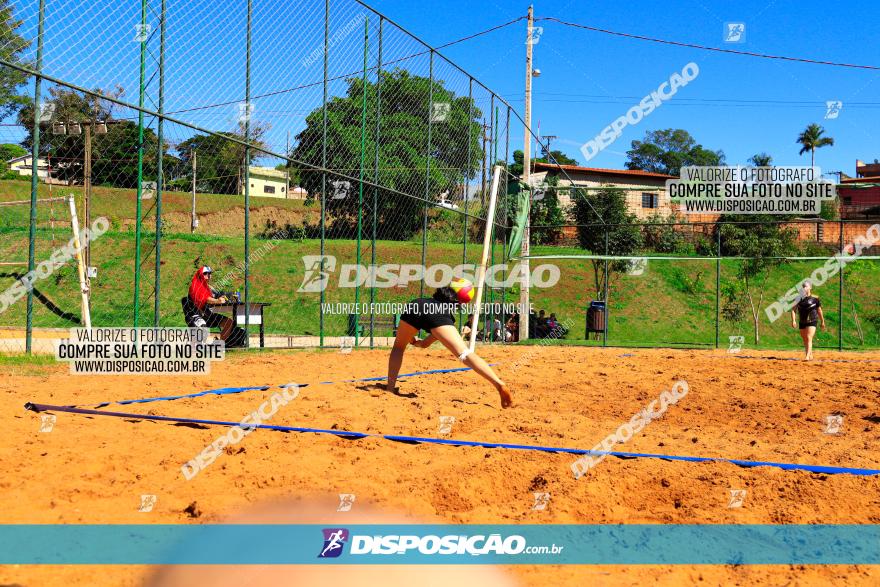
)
(595, 317)
(354, 329)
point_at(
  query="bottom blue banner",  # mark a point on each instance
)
(440, 544)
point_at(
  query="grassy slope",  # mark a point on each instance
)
(654, 308)
(119, 203)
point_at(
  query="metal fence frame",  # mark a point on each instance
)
(715, 229)
(367, 182)
(362, 178)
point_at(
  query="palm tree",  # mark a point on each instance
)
(812, 139)
(761, 160)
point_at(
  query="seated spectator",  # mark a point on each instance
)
(541, 329)
(557, 330)
(466, 328)
(533, 323)
(511, 333)
(496, 332)
(202, 296)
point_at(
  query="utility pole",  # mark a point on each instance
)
(549, 138)
(484, 126)
(194, 220)
(87, 196)
(527, 172)
(287, 169)
(74, 128)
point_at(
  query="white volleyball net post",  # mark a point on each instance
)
(484, 260)
(80, 267)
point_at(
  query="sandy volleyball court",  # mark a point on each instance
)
(769, 408)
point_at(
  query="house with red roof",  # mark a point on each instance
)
(645, 191)
(860, 195)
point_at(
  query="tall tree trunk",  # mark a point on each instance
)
(596, 280)
(856, 319)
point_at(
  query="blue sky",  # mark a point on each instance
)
(741, 105)
(588, 79)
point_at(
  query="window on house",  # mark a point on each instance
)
(649, 200)
(268, 189)
(282, 190)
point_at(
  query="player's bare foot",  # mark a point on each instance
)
(506, 398)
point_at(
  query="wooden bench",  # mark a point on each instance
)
(359, 324)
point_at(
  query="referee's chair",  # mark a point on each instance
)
(194, 319)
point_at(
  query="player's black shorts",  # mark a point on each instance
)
(427, 313)
(808, 324)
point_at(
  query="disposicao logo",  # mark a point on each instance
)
(318, 269)
(334, 541)
(336, 538)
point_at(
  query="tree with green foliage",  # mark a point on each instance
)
(12, 45)
(236, 150)
(811, 139)
(558, 157)
(220, 158)
(763, 243)
(830, 209)
(619, 236)
(292, 172)
(660, 234)
(546, 216)
(853, 281)
(9, 151)
(545, 213)
(516, 167)
(667, 151)
(216, 171)
(114, 155)
(403, 151)
(67, 106)
(761, 160)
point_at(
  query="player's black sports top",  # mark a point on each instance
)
(808, 311)
(428, 313)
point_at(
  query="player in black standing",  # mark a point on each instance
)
(806, 315)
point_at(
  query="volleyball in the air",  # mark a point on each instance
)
(463, 289)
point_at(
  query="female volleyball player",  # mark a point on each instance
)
(434, 315)
(809, 313)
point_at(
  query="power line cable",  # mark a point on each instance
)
(706, 47)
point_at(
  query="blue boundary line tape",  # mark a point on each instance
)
(451, 442)
(771, 358)
(233, 390)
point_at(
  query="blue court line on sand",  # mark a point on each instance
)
(451, 442)
(233, 390)
(771, 358)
